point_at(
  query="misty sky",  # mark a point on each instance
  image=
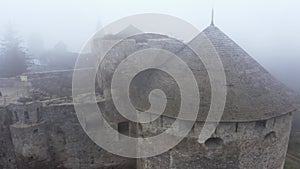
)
(267, 29)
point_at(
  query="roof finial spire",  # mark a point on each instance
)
(212, 17)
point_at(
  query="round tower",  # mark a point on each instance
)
(254, 130)
(29, 135)
(255, 126)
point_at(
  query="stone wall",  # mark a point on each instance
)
(57, 83)
(7, 154)
(11, 82)
(31, 145)
(49, 137)
(71, 148)
(248, 145)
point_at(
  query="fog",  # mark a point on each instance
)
(268, 30)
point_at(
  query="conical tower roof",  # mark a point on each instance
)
(252, 93)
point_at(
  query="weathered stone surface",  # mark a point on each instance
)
(255, 126)
(50, 137)
(54, 83)
(7, 153)
(240, 145)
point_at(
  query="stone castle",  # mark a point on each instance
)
(39, 127)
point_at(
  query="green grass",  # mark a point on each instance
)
(291, 164)
(294, 145)
(294, 149)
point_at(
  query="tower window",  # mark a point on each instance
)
(270, 137)
(35, 131)
(16, 116)
(38, 114)
(214, 143)
(123, 128)
(26, 115)
(261, 124)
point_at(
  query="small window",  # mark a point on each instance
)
(38, 115)
(270, 137)
(214, 143)
(236, 127)
(16, 116)
(92, 160)
(123, 128)
(26, 115)
(261, 124)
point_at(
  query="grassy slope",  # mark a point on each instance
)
(291, 164)
(294, 149)
(294, 145)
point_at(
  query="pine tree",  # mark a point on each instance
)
(12, 55)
